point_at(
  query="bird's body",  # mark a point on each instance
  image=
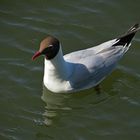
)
(86, 68)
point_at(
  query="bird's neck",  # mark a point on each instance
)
(56, 68)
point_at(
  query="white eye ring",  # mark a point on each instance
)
(50, 45)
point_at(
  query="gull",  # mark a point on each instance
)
(81, 69)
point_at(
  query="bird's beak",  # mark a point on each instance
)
(37, 54)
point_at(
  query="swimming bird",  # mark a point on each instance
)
(81, 69)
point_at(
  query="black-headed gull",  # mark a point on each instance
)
(81, 69)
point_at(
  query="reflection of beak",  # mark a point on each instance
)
(37, 54)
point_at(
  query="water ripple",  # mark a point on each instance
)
(129, 71)
(131, 101)
(113, 114)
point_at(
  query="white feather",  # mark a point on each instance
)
(82, 69)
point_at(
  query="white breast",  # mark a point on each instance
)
(57, 73)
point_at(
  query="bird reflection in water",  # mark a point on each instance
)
(54, 104)
(57, 104)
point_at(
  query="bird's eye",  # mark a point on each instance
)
(50, 46)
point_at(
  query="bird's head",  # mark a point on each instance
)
(48, 47)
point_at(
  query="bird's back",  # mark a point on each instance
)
(91, 66)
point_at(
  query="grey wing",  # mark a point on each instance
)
(88, 71)
(92, 65)
(76, 56)
(90, 52)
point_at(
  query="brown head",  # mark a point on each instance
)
(48, 47)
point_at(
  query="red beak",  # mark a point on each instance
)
(36, 55)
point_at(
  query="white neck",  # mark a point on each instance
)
(56, 68)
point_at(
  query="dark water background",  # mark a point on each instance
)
(30, 112)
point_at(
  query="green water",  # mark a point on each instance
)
(28, 111)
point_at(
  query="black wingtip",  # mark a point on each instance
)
(126, 39)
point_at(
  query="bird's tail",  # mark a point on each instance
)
(134, 28)
(125, 40)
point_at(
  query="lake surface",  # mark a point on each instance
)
(28, 111)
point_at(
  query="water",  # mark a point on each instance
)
(28, 110)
